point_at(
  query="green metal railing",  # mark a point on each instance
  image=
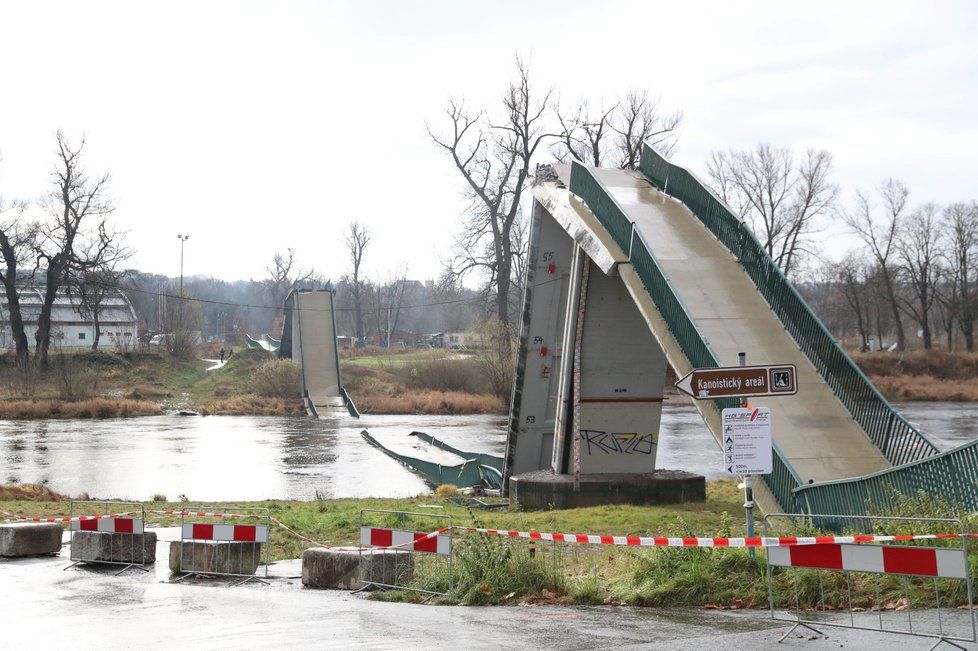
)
(897, 439)
(783, 480)
(952, 474)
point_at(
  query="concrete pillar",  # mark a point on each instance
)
(533, 412)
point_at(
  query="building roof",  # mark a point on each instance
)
(115, 308)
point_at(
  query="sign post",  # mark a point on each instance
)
(747, 444)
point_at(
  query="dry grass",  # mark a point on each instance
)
(389, 391)
(29, 493)
(252, 405)
(91, 408)
(924, 388)
(429, 402)
(923, 374)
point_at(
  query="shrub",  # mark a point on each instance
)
(279, 378)
(222, 388)
(462, 375)
(446, 490)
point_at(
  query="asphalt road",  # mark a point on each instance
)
(89, 608)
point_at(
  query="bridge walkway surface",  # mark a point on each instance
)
(814, 430)
(315, 349)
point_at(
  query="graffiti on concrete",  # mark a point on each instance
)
(599, 442)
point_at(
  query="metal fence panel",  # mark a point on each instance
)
(401, 550)
(108, 540)
(218, 543)
(879, 584)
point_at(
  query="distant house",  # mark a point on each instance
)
(69, 327)
(457, 340)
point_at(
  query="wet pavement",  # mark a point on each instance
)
(88, 607)
(218, 458)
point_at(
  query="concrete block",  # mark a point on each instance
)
(30, 538)
(212, 557)
(327, 568)
(542, 489)
(113, 547)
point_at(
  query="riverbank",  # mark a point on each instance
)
(922, 375)
(494, 570)
(423, 382)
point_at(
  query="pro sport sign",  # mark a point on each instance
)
(740, 382)
(747, 448)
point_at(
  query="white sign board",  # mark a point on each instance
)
(747, 441)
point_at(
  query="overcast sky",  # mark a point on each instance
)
(256, 126)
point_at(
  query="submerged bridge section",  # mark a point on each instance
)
(656, 248)
(309, 337)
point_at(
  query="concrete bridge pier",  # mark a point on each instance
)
(584, 425)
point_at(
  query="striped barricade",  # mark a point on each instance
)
(399, 556)
(858, 580)
(104, 537)
(210, 545)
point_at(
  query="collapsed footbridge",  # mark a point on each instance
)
(309, 337)
(631, 271)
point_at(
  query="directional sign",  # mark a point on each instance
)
(740, 382)
(747, 441)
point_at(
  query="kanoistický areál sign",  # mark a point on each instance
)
(740, 382)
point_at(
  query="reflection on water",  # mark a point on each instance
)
(250, 458)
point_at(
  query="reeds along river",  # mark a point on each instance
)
(218, 458)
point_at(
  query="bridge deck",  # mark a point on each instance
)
(813, 429)
(317, 349)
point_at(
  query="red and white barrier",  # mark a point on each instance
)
(942, 563)
(414, 541)
(109, 525)
(757, 541)
(27, 518)
(225, 532)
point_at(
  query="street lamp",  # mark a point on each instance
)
(183, 239)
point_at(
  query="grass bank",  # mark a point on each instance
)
(499, 570)
(923, 374)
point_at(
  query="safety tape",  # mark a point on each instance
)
(587, 539)
(758, 541)
(27, 518)
(202, 514)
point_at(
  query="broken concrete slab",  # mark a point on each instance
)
(340, 570)
(100, 547)
(214, 557)
(30, 538)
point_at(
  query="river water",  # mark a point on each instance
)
(218, 458)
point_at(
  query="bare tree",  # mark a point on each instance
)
(494, 159)
(614, 135)
(92, 287)
(919, 248)
(879, 234)
(357, 239)
(781, 199)
(17, 237)
(78, 236)
(284, 272)
(960, 221)
(585, 133)
(853, 275)
(391, 299)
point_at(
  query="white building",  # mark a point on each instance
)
(69, 328)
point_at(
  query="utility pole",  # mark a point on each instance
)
(183, 239)
(748, 489)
